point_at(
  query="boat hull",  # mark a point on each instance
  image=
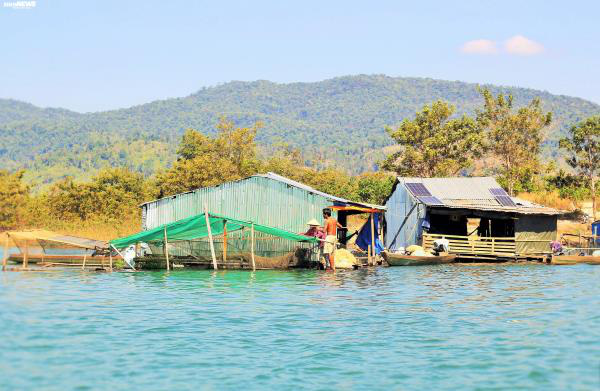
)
(575, 259)
(412, 260)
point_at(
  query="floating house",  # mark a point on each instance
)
(267, 199)
(480, 220)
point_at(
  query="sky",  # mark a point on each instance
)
(100, 55)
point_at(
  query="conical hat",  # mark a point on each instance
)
(313, 222)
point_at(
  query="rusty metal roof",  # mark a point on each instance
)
(473, 193)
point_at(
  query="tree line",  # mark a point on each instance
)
(331, 122)
(112, 197)
(499, 139)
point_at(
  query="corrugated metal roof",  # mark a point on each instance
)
(290, 182)
(272, 175)
(473, 193)
(299, 185)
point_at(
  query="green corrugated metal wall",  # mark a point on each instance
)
(260, 199)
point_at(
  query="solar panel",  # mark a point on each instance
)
(418, 189)
(430, 200)
(498, 191)
(505, 200)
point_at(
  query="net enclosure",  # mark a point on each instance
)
(195, 227)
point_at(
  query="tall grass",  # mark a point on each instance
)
(99, 229)
(550, 199)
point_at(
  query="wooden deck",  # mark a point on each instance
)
(474, 246)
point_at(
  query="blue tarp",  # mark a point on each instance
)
(596, 232)
(364, 236)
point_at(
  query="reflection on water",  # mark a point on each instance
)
(439, 327)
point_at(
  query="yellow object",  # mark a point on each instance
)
(330, 242)
(412, 248)
(344, 259)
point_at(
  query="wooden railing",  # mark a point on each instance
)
(474, 245)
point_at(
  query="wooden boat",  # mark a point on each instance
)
(415, 260)
(575, 259)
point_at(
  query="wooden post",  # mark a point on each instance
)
(110, 260)
(84, 258)
(166, 248)
(210, 237)
(26, 255)
(369, 259)
(252, 247)
(224, 241)
(373, 236)
(5, 254)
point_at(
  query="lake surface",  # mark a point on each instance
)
(501, 327)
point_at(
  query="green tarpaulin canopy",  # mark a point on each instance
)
(195, 228)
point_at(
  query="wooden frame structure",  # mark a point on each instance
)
(474, 246)
(346, 210)
(483, 247)
(42, 239)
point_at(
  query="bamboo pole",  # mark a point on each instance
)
(84, 258)
(5, 254)
(122, 256)
(252, 247)
(166, 248)
(373, 236)
(26, 255)
(224, 241)
(210, 237)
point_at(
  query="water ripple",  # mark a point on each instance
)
(441, 327)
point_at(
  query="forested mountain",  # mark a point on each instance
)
(337, 122)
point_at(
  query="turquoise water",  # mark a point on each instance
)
(442, 327)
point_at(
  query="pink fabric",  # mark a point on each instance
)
(316, 232)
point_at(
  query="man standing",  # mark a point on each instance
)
(331, 226)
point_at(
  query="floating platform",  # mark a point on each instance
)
(237, 260)
(62, 260)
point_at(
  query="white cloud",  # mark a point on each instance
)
(479, 46)
(522, 46)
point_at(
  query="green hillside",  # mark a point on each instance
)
(336, 122)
